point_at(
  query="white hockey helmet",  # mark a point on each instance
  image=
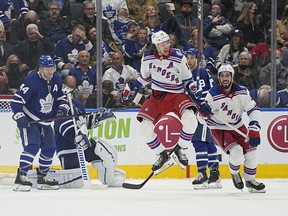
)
(226, 68)
(159, 37)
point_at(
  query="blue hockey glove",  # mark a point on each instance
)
(254, 133)
(195, 89)
(82, 140)
(97, 118)
(205, 110)
(62, 110)
(21, 120)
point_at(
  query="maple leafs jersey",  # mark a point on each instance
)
(37, 98)
(167, 73)
(230, 107)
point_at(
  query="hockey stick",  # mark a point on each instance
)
(199, 37)
(231, 127)
(80, 151)
(139, 186)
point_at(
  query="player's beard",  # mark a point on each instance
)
(226, 85)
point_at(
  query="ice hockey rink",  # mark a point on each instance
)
(158, 197)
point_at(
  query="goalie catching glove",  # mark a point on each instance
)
(254, 133)
(97, 118)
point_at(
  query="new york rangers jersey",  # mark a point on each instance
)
(230, 107)
(165, 73)
(39, 99)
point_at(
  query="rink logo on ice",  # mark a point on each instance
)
(277, 133)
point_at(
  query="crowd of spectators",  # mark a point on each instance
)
(235, 32)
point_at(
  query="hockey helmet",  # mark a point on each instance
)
(159, 37)
(192, 52)
(226, 68)
(46, 61)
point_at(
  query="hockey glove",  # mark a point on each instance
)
(194, 90)
(82, 140)
(97, 118)
(253, 133)
(62, 110)
(205, 110)
(21, 120)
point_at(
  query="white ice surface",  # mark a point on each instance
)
(165, 197)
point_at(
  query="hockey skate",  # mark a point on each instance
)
(179, 157)
(22, 183)
(46, 183)
(201, 181)
(255, 186)
(214, 180)
(163, 163)
(237, 181)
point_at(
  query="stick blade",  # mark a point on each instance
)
(132, 186)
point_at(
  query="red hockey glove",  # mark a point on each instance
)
(253, 133)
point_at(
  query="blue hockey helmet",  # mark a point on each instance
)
(192, 52)
(46, 61)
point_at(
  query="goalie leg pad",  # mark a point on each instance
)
(70, 178)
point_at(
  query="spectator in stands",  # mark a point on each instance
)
(68, 48)
(132, 30)
(121, 25)
(229, 53)
(282, 96)
(55, 26)
(183, 23)
(18, 26)
(14, 75)
(244, 74)
(216, 28)
(109, 9)
(108, 99)
(64, 6)
(281, 73)
(119, 73)
(138, 8)
(262, 96)
(5, 49)
(89, 19)
(8, 7)
(32, 48)
(85, 76)
(134, 49)
(266, 11)
(106, 60)
(39, 6)
(151, 21)
(174, 41)
(282, 28)
(249, 22)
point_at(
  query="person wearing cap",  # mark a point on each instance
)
(217, 28)
(183, 23)
(205, 149)
(229, 53)
(40, 97)
(167, 71)
(228, 101)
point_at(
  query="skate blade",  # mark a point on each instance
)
(252, 190)
(165, 166)
(175, 158)
(202, 186)
(47, 187)
(215, 185)
(22, 188)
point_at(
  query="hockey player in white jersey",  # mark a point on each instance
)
(39, 97)
(228, 101)
(205, 149)
(167, 71)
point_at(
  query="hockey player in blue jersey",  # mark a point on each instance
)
(99, 152)
(205, 149)
(39, 97)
